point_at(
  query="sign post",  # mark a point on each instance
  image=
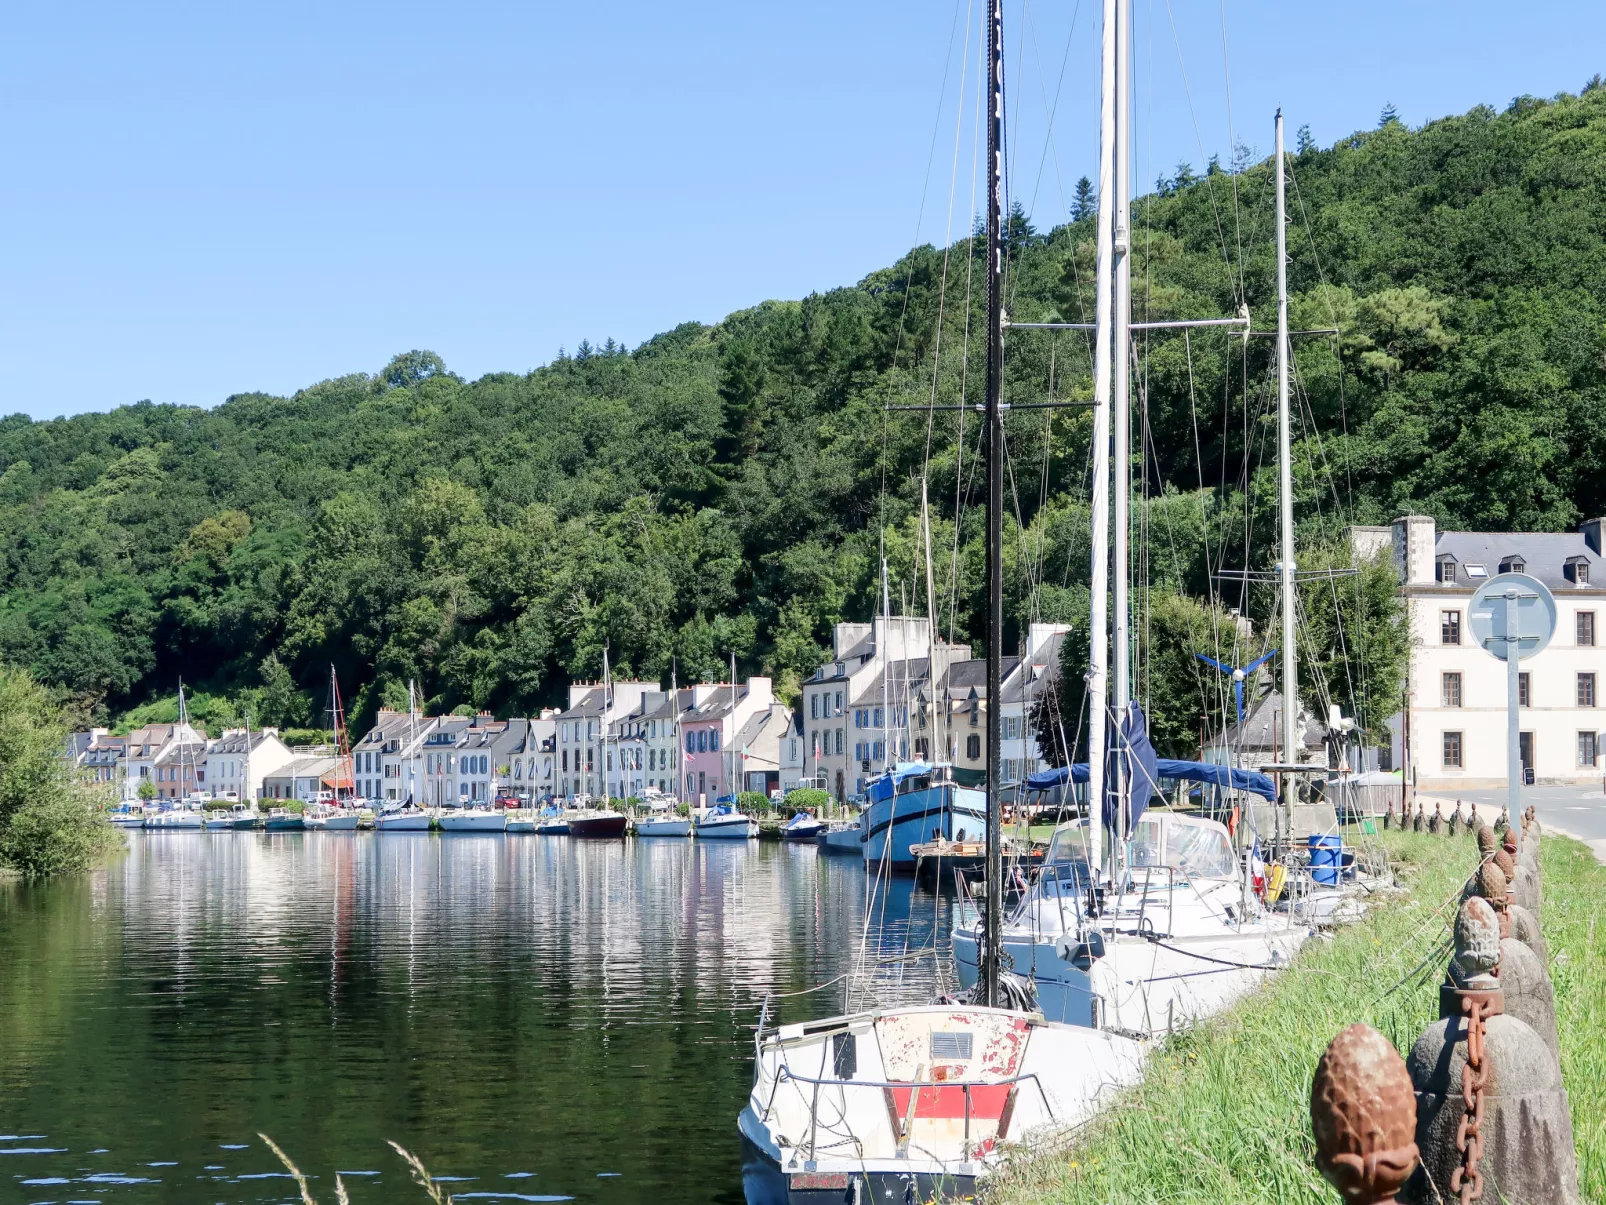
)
(1513, 616)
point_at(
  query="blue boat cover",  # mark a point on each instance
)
(1164, 767)
(885, 785)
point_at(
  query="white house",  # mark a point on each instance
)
(582, 730)
(236, 766)
(1452, 732)
(1023, 687)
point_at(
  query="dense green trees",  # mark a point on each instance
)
(733, 488)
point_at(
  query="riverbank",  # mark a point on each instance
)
(1223, 1112)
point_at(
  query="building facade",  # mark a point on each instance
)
(238, 764)
(1451, 734)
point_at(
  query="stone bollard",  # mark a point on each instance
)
(1491, 1110)
(1437, 822)
(1524, 876)
(1523, 978)
(1417, 821)
(1455, 818)
(1388, 816)
(1502, 824)
(1363, 1117)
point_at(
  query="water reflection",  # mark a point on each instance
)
(545, 1018)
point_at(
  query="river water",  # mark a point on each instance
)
(537, 1018)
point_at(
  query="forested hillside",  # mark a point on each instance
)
(731, 487)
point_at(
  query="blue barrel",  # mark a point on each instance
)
(1325, 856)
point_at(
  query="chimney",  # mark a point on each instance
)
(1415, 544)
(1592, 533)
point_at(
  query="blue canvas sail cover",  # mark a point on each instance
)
(885, 785)
(1146, 770)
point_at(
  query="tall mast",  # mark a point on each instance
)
(886, 669)
(731, 744)
(1285, 486)
(934, 670)
(674, 710)
(1121, 338)
(1098, 597)
(991, 995)
(606, 693)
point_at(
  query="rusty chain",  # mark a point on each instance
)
(1466, 1179)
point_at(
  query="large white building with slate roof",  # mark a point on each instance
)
(1451, 735)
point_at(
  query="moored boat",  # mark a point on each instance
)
(520, 820)
(804, 826)
(723, 822)
(598, 822)
(473, 820)
(407, 819)
(177, 818)
(282, 820)
(663, 824)
(914, 803)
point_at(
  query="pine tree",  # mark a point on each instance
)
(1303, 141)
(1085, 204)
(1390, 116)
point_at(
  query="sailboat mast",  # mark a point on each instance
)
(991, 995)
(1121, 353)
(1098, 596)
(732, 742)
(886, 669)
(934, 674)
(1285, 486)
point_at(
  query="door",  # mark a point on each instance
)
(1525, 750)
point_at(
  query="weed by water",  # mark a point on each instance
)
(1223, 1111)
(415, 1166)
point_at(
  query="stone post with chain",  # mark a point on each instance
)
(1363, 1117)
(1491, 1110)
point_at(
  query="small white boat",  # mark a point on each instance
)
(473, 820)
(217, 820)
(663, 824)
(178, 818)
(917, 1104)
(332, 819)
(804, 826)
(403, 820)
(723, 822)
(521, 821)
(128, 818)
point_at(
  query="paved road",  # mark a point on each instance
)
(1580, 811)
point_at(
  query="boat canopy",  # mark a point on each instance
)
(1191, 771)
(885, 785)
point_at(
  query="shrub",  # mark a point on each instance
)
(809, 799)
(752, 802)
(49, 824)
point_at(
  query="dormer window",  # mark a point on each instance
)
(1444, 571)
(1513, 564)
(1478, 573)
(1576, 570)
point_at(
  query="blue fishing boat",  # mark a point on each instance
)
(804, 826)
(916, 802)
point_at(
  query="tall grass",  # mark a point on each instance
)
(415, 1166)
(1223, 1111)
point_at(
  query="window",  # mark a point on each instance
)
(973, 746)
(1513, 564)
(879, 721)
(1451, 689)
(1444, 571)
(814, 707)
(1586, 629)
(840, 742)
(878, 751)
(1576, 570)
(1586, 690)
(1588, 750)
(839, 702)
(1449, 627)
(1524, 698)
(1012, 727)
(1452, 750)
(713, 740)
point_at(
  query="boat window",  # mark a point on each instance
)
(1147, 844)
(1197, 850)
(917, 782)
(1068, 847)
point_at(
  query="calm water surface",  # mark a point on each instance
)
(538, 1018)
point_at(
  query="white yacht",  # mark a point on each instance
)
(663, 824)
(405, 819)
(1183, 939)
(723, 822)
(473, 820)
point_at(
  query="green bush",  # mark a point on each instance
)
(49, 823)
(808, 799)
(752, 802)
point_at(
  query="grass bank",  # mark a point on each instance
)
(1222, 1114)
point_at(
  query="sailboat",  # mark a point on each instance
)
(184, 812)
(919, 1103)
(333, 817)
(408, 817)
(1172, 932)
(605, 821)
(725, 821)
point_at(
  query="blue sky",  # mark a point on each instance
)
(203, 199)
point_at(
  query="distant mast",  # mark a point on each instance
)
(1285, 486)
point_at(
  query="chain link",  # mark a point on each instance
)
(1466, 1179)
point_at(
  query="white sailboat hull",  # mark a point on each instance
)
(402, 822)
(727, 828)
(473, 821)
(663, 826)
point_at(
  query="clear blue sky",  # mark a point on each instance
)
(203, 199)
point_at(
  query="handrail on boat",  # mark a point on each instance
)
(784, 1073)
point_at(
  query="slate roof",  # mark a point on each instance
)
(1545, 555)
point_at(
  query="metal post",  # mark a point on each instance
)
(1513, 714)
(995, 494)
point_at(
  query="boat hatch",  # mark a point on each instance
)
(948, 1047)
